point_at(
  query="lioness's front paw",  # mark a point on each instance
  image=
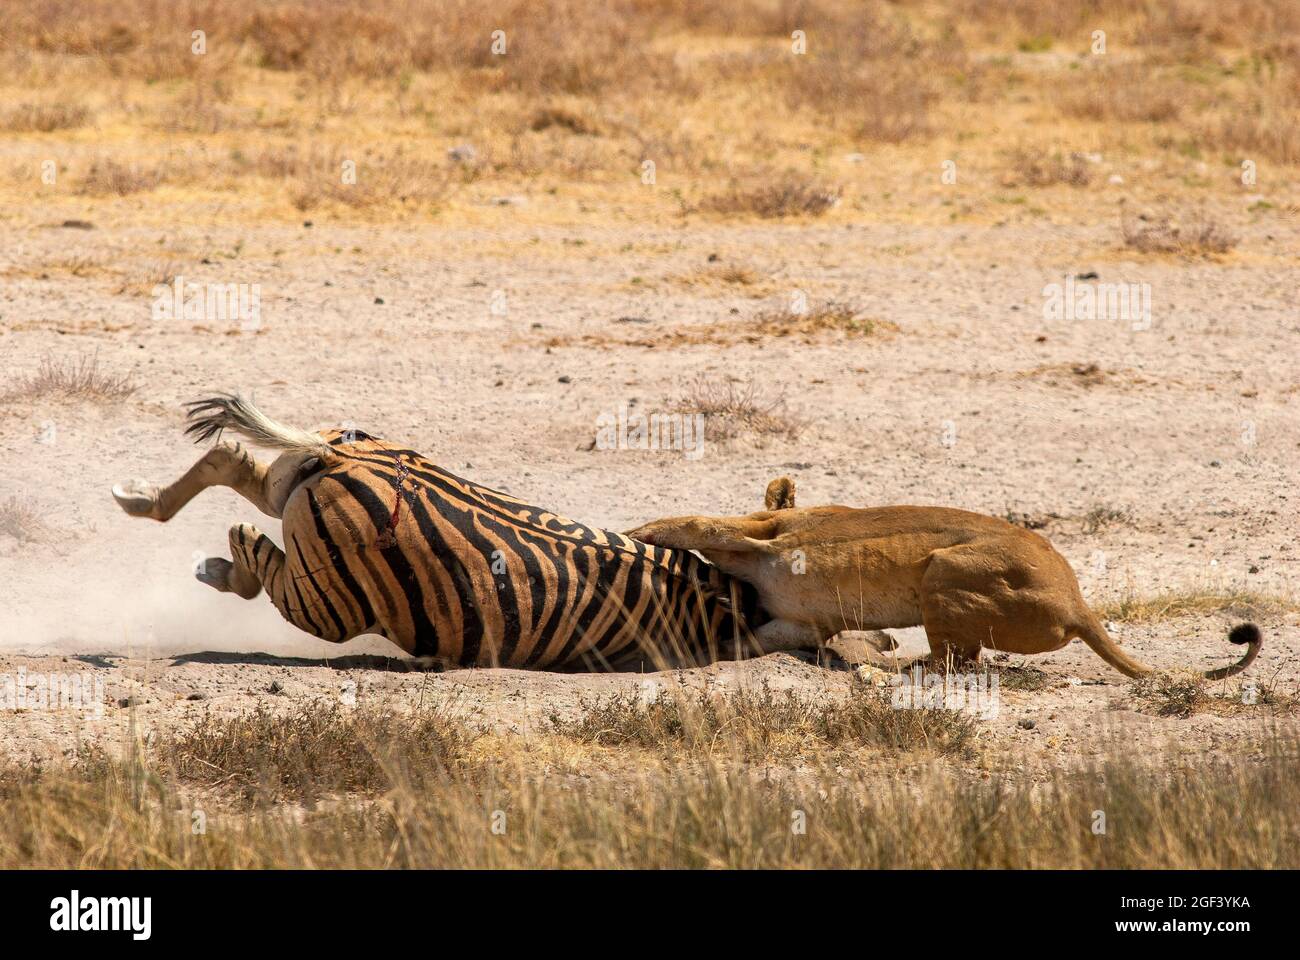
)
(645, 533)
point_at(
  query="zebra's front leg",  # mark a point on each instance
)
(225, 465)
(256, 562)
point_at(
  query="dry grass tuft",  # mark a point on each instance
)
(44, 117)
(1101, 516)
(559, 117)
(76, 379)
(766, 725)
(1171, 693)
(1198, 235)
(830, 316)
(1129, 93)
(1239, 603)
(1020, 676)
(21, 519)
(733, 409)
(314, 749)
(788, 196)
(1033, 168)
(107, 177)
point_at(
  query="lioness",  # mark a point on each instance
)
(972, 581)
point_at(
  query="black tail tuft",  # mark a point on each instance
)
(1245, 633)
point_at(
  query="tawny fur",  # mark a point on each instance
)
(972, 581)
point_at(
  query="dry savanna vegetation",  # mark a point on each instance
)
(783, 216)
(677, 779)
(768, 109)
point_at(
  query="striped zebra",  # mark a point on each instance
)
(377, 539)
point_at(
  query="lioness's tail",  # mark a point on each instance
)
(1094, 635)
(228, 411)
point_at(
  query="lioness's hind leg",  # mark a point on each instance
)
(972, 599)
(226, 465)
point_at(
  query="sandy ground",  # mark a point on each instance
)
(1188, 429)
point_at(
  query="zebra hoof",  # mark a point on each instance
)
(137, 498)
(215, 572)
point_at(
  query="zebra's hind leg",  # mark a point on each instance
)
(225, 465)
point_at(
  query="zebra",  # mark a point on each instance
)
(380, 540)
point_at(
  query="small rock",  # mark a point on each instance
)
(197, 696)
(275, 687)
(462, 153)
(1116, 179)
(1024, 723)
(566, 379)
(1216, 463)
(379, 300)
(78, 225)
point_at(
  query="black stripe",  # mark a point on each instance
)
(442, 553)
(341, 570)
(321, 594)
(426, 635)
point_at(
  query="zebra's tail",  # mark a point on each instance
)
(229, 411)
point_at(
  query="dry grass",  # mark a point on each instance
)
(1034, 168)
(1019, 676)
(1101, 516)
(716, 98)
(43, 117)
(1240, 603)
(734, 409)
(20, 518)
(80, 378)
(1197, 235)
(830, 316)
(790, 195)
(767, 725)
(1171, 693)
(626, 806)
(1124, 93)
(108, 177)
(312, 750)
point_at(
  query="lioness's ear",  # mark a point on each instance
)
(780, 494)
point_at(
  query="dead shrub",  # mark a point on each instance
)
(766, 725)
(733, 409)
(107, 177)
(44, 117)
(829, 316)
(788, 196)
(20, 518)
(1199, 234)
(77, 379)
(1033, 168)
